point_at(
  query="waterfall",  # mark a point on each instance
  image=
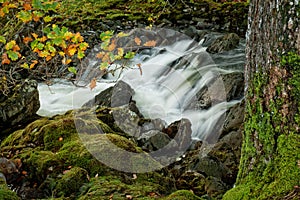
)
(172, 76)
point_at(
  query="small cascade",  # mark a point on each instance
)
(169, 85)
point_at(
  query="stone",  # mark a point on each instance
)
(224, 43)
(20, 107)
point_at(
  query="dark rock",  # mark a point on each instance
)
(224, 43)
(226, 87)
(21, 107)
(153, 140)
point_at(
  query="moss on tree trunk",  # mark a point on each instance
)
(270, 166)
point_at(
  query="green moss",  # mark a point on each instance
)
(271, 147)
(40, 163)
(105, 187)
(182, 195)
(71, 181)
(7, 194)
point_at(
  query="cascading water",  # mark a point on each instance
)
(172, 76)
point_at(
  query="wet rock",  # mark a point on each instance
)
(8, 170)
(226, 87)
(20, 107)
(224, 43)
(153, 140)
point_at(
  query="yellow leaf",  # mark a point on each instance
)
(34, 35)
(71, 51)
(93, 83)
(61, 53)
(150, 43)
(66, 61)
(137, 40)
(43, 39)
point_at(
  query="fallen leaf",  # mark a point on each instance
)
(137, 40)
(60, 139)
(128, 196)
(140, 68)
(112, 46)
(134, 176)
(150, 43)
(93, 83)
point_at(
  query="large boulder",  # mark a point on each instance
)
(20, 107)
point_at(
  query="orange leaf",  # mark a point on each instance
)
(48, 58)
(137, 40)
(24, 172)
(34, 62)
(60, 139)
(93, 83)
(112, 46)
(16, 48)
(106, 58)
(5, 59)
(150, 43)
(27, 39)
(100, 55)
(36, 18)
(27, 6)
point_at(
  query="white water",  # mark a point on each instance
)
(171, 76)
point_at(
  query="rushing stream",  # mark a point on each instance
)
(165, 88)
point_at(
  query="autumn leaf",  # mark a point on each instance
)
(34, 62)
(5, 59)
(66, 61)
(10, 45)
(104, 65)
(100, 55)
(112, 46)
(150, 43)
(34, 35)
(27, 6)
(137, 40)
(93, 83)
(140, 68)
(71, 50)
(16, 48)
(25, 66)
(49, 57)
(43, 39)
(122, 34)
(27, 39)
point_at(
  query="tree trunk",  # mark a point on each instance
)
(270, 162)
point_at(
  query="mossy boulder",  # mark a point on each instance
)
(71, 181)
(183, 195)
(57, 160)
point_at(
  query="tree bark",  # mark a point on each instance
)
(270, 162)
